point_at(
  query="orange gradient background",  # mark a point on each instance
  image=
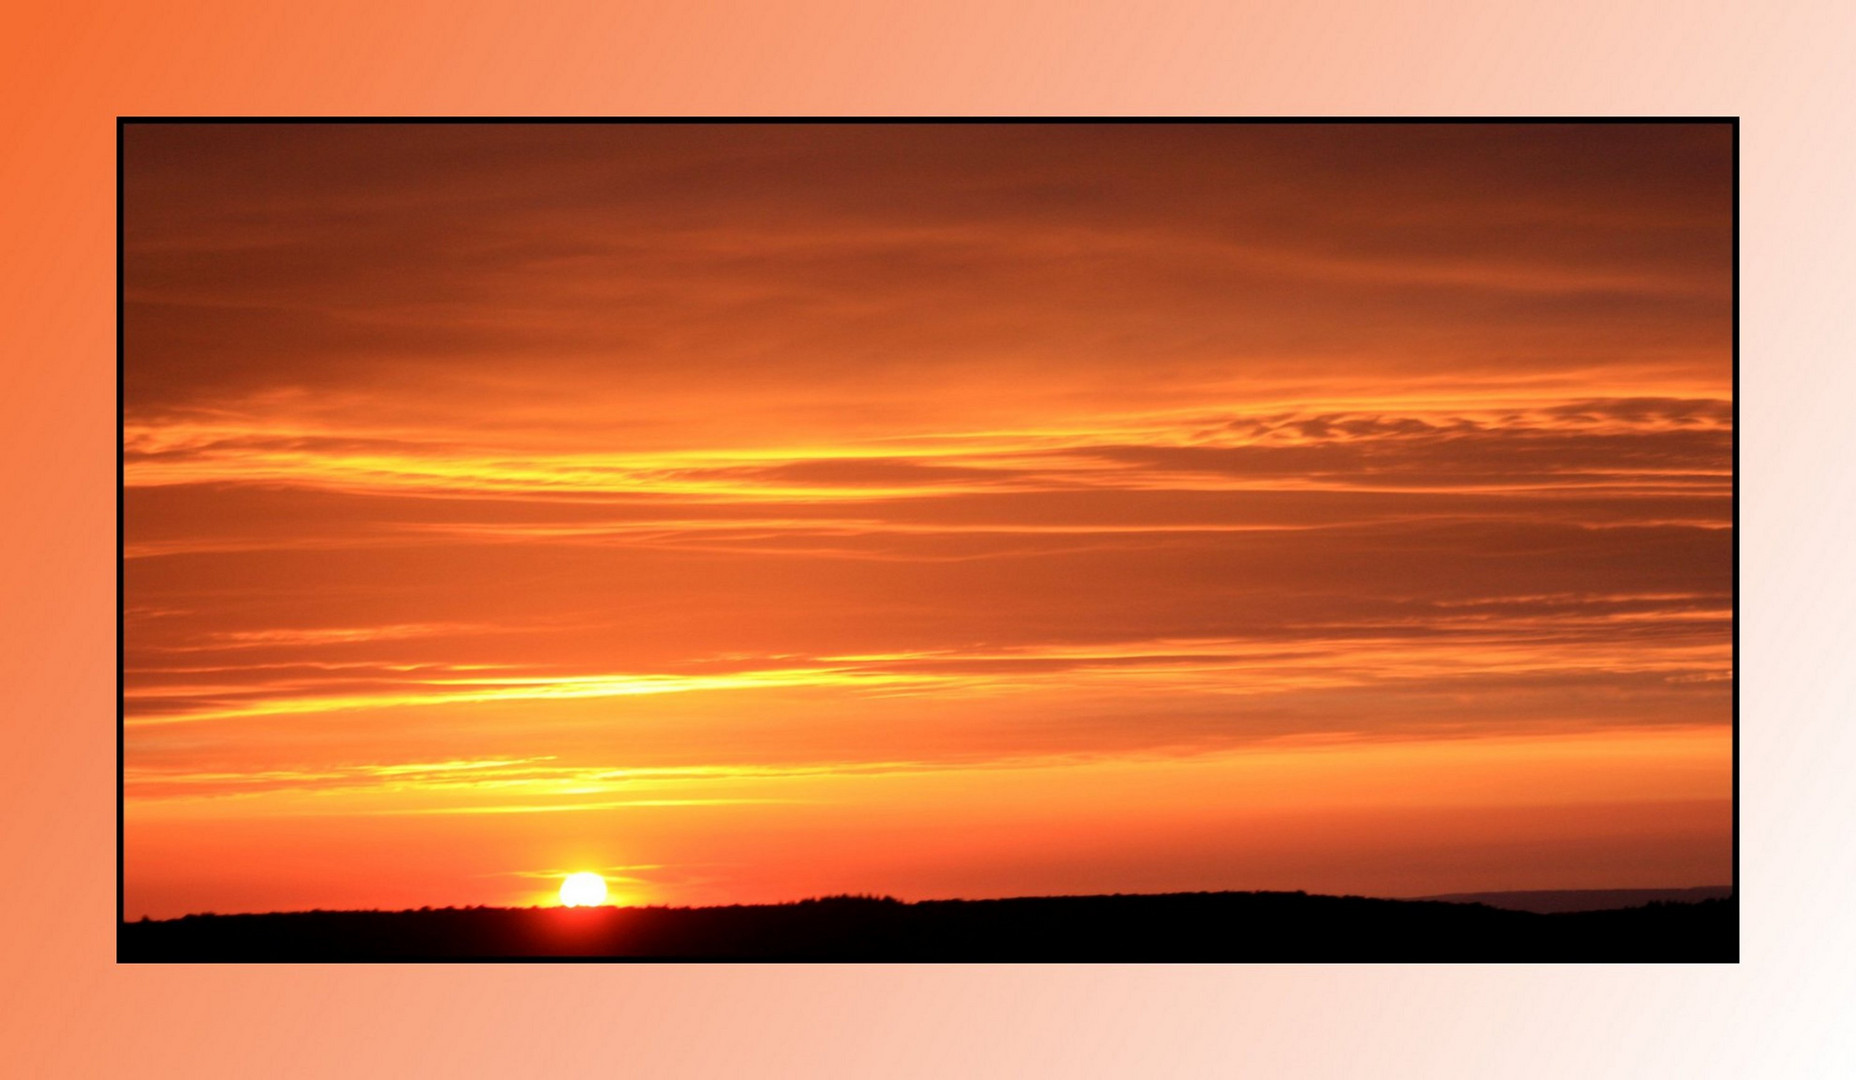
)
(71, 70)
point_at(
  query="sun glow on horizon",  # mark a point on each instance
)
(585, 889)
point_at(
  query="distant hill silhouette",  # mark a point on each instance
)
(1175, 927)
(1547, 901)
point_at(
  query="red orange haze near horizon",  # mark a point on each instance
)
(753, 512)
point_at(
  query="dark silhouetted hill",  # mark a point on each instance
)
(1547, 901)
(1176, 927)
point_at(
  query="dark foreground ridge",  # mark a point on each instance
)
(1223, 927)
(1549, 901)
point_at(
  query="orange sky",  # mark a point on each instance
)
(756, 511)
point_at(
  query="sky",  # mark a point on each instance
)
(749, 512)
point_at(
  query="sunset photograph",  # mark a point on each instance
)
(947, 541)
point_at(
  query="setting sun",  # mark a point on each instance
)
(583, 890)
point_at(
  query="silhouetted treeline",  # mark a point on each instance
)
(1177, 927)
